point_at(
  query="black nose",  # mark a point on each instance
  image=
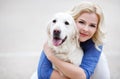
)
(56, 33)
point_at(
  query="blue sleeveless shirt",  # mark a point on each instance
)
(89, 61)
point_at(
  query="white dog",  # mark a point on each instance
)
(63, 39)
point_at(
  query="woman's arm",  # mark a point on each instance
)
(90, 58)
(44, 67)
(56, 75)
(45, 70)
(69, 70)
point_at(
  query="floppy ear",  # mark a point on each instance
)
(77, 39)
(76, 35)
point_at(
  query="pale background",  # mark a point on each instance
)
(23, 33)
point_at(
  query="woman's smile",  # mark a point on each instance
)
(83, 35)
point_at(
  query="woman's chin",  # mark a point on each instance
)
(83, 40)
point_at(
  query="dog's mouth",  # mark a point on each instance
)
(57, 41)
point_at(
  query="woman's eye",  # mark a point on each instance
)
(92, 25)
(81, 22)
(54, 21)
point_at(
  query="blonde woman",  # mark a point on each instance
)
(89, 20)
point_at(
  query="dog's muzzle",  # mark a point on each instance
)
(56, 33)
(57, 41)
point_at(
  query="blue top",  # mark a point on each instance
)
(89, 61)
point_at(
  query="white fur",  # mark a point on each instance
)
(69, 50)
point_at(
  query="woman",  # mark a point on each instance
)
(89, 20)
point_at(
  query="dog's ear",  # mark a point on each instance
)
(76, 35)
(77, 39)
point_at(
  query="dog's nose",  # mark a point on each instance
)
(56, 33)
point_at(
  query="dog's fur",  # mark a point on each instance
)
(63, 38)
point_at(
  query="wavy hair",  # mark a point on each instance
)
(89, 7)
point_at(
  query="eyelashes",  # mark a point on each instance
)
(92, 25)
(84, 23)
(81, 22)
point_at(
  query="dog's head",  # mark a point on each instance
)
(62, 28)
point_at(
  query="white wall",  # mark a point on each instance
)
(23, 22)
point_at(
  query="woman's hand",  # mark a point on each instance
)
(64, 77)
(48, 51)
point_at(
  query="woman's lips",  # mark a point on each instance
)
(83, 35)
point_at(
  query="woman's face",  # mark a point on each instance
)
(87, 25)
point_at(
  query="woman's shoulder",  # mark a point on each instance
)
(87, 44)
(90, 45)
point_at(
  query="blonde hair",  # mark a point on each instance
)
(89, 7)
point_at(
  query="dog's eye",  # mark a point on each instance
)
(54, 21)
(66, 23)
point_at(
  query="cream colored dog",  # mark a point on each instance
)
(63, 38)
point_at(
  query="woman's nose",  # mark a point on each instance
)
(86, 28)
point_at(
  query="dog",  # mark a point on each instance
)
(63, 38)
